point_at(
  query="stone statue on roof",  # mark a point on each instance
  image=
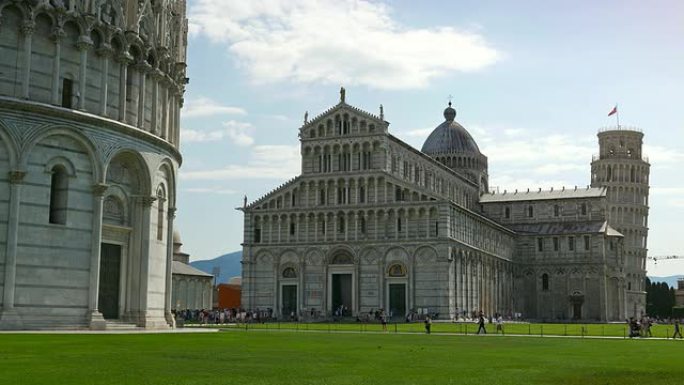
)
(343, 93)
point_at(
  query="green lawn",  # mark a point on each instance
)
(269, 357)
(597, 330)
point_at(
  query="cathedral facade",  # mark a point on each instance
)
(373, 223)
(90, 98)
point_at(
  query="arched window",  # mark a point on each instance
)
(396, 270)
(545, 282)
(59, 188)
(161, 198)
(530, 211)
(289, 272)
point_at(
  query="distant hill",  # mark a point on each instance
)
(670, 280)
(229, 264)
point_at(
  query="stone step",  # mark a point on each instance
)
(116, 325)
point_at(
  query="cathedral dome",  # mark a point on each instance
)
(450, 138)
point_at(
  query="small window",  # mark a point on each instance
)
(571, 243)
(540, 244)
(556, 210)
(530, 211)
(59, 188)
(341, 225)
(257, 235)
(292, 228)
(160, 214)
(399, 225)
(629, 286)
(363, 225)
(545, 282)
(362, 194)
(583, 209)
(67, 93)
(556, 244)
(323, 227)
(321, 196)
(507, 213)
(587, 242)
(294, 200)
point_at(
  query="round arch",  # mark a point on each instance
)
(83, 140)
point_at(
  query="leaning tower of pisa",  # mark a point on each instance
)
(90, 99)
(622, 168)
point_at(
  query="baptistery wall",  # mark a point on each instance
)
(90, 98)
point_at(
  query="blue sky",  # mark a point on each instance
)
(532, 81)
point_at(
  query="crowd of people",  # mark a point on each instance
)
(642, 327)
(222, 316)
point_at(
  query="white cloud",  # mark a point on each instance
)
(210, 190)
(202, 106)
(267, 162)
(340, 42)
(658, 155)
(237, 132)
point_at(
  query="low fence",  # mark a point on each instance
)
(462, 328)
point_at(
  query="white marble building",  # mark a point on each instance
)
(192, 288)
(90, 98)
(373, 223)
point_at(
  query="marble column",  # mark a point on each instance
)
(157, 77)
(171, 215)
(57, 36)
(84, 43)
(27, 30)
(164, 127)
(9, 319)
(143, 68)
(459, 287)
(105, 52)
(124, 60)
(96, 321)
(145, 203)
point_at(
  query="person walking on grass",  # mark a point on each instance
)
(481, 322)
(677, 331)
(428, 324)
(499, 325)
(383, 320)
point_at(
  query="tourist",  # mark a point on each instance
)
(383, 320)
(676, 330)
(482, 325)
(428, 324)
(499, 325)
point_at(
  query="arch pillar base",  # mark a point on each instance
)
(96, 321)
(10, 320)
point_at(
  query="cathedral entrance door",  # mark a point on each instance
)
(577, 311)
(577, 299)
(289, 300)
(342, 293)
(110, 274)
(397, 299)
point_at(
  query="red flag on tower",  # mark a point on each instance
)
(613, 111)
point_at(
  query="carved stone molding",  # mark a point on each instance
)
(100, 189)
(16, 176)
